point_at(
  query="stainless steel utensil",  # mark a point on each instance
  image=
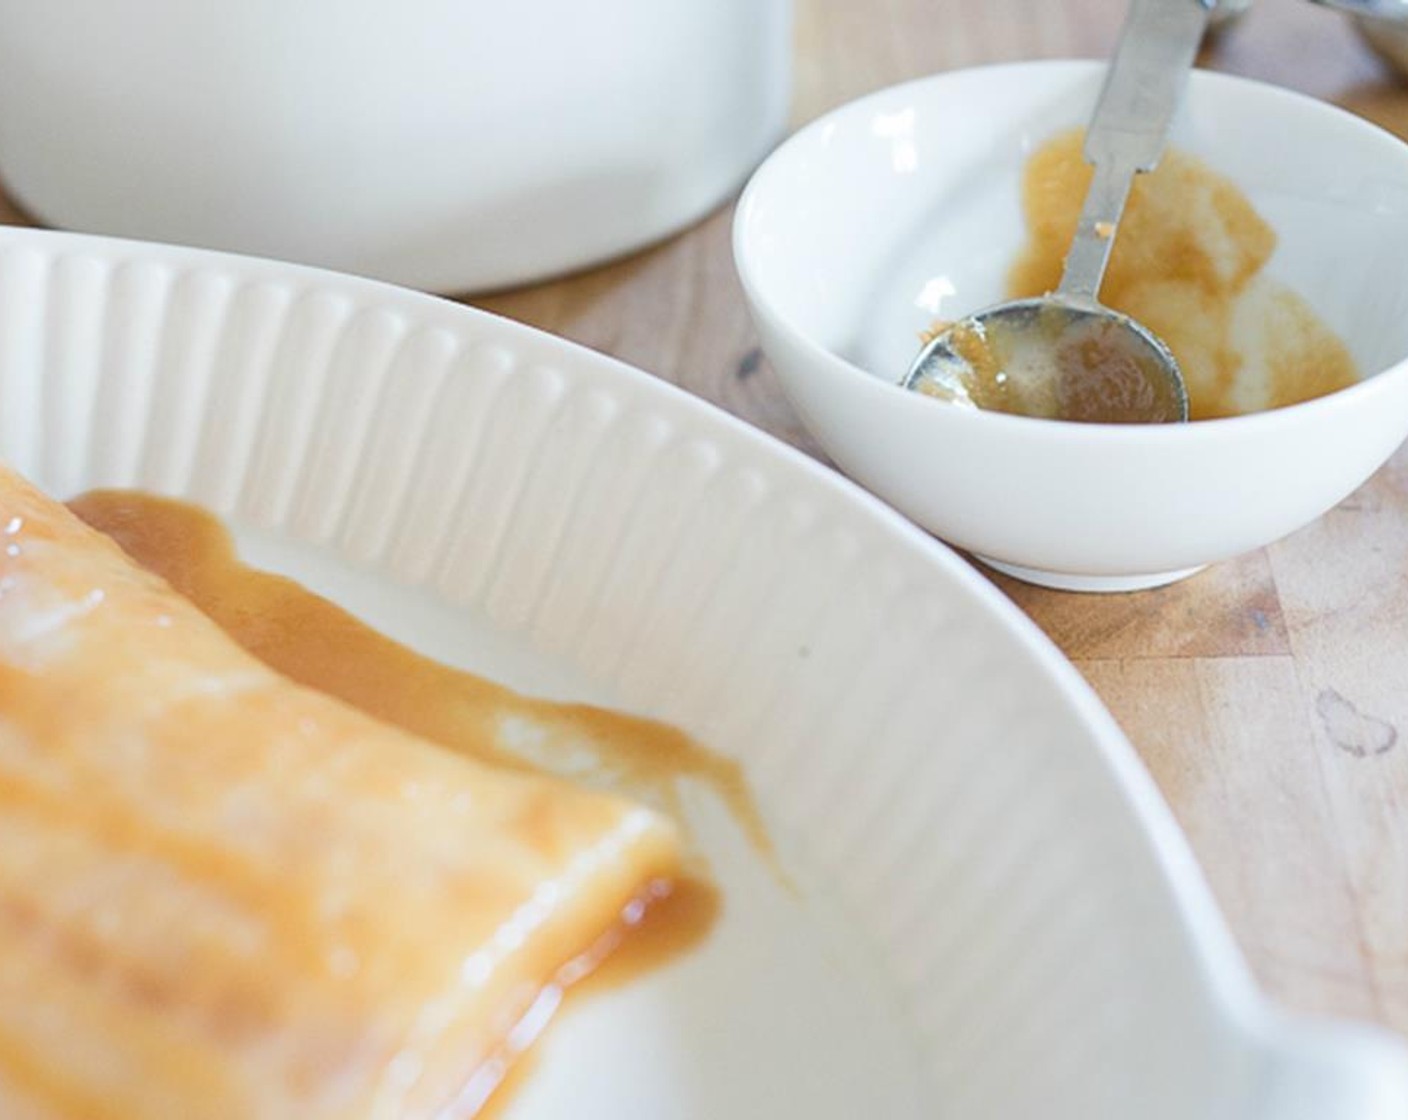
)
(1065, 356)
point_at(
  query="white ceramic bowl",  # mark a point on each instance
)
(452, 145)
(1388, 37)
(904, 204)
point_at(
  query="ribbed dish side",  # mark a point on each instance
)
(672, 560)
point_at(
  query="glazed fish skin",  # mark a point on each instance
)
(224, 895)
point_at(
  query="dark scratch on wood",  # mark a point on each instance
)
(748, 364)
(1350, 729)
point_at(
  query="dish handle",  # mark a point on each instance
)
(1317, 1070)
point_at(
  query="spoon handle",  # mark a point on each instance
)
(1127, 133)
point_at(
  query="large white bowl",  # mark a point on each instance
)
(452, 145)
(995, 916)
(904, 204)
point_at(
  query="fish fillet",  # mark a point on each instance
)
(224, 895)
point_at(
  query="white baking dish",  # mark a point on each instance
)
(996, 916)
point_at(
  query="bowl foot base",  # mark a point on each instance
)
(1069, 581)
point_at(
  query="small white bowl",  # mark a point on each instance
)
(904, 205)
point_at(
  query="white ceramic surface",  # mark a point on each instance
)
(997, 917)
(904, 206)
(445, 144)
(1388, 37)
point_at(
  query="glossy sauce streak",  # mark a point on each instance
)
(508, 1088)
(650, 936)
(673, 923)
(315, 642)
(1188, 264)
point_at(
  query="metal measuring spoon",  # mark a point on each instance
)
(1064, 356)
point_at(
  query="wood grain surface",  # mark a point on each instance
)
(1268, 695)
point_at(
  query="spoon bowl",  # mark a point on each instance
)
(1064, 356)
(1056, 359)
